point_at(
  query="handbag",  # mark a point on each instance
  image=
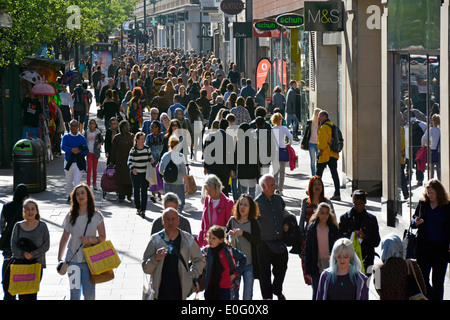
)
(100, 112)
(413, 283)
(192, 185)
(409, 244)
(62, 267)
(102, 277)
(24, 278)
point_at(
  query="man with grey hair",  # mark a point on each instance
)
(171, 200)
(172, 259)
(273, 252)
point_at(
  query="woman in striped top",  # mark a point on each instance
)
(138, 159)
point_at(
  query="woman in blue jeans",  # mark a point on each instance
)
(138, 159)
(245, 234)
(309, 141)
(83, 225)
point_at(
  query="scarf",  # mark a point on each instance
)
(213, 292)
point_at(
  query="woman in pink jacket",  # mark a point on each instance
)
(217, 209)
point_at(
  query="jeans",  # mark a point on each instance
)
(249, 278)
(313, 153)
(179, 190)
(292, 118)
(235, 188)
(332, 164)
(92, 163)
(140, 187)
(79, 281)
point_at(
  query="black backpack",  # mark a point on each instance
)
(171, 172)
(337, 141)
(78, 101)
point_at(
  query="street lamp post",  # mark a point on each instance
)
(5, 22)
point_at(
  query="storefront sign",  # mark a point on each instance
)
(265, 25)
(290, 20)
(324, 15)
(232, 7)
(242, 30)
(259, 33)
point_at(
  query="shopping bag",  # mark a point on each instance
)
(24, 278)
(358, 251)
(102, 257)
(150, 175)
(192, 185)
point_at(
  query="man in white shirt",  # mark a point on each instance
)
(66, 106)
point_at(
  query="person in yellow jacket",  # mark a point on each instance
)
(326, 156)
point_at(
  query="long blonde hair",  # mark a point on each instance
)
(315, 116)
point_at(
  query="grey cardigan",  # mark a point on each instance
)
(190, 251)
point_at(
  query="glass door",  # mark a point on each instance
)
(416, 89)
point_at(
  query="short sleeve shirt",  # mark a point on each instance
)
(76, 231)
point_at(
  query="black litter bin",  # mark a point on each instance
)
(29, 164)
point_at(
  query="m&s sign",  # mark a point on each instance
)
(324, 16)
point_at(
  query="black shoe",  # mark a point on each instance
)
(153, 199)
(281, 297)
(336, 198)
(142, 214)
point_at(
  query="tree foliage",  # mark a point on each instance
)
(36, 22)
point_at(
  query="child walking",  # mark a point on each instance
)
(223, 264)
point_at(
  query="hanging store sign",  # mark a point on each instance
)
(232, 7)
(265, 25)
(242, 30)
(290, 20)
(324, 15)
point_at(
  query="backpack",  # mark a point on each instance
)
(78, 101)
(337, 141)
(171, 172)
(417, 134)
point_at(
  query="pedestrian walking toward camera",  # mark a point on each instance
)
(83, 225)
(30, 242)
(322, 233)
(432, 219)
(273, 254)
(138, 159)
(245, 233)
(173, 259)
(74, 145)
(121, 146)
(343, 280)
(364, 226)
(223, 265)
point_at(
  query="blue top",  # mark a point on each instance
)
(436, 225)
(69, 141)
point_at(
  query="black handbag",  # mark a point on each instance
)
(409, 244)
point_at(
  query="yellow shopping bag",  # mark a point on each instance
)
(102, 257)
(24, 278)
(358, 251)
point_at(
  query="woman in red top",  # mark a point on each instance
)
(217, 209)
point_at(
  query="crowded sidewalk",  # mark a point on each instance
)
(130, 233)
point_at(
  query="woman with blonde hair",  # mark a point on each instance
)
(343, 279)
(280, 133)
(309, 141)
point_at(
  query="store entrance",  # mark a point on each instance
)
(416, 110)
